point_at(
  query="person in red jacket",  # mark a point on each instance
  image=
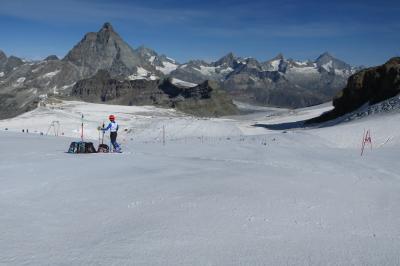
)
(113, 127)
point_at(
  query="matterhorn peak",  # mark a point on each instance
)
(103, 50)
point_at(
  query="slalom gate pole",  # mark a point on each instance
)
(163, 135)
(369, 139)
(362, 143)
(102, 138)
(366, 140)
(99, 135)
(82, 129)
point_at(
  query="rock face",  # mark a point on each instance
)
(202, 100)
(369, 86)
(9, 64)
(102, 88)
(104, 50)
(206, 99)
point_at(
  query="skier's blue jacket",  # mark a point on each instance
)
(113, 127)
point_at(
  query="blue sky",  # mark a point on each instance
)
(359, 32)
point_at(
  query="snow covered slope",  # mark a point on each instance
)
(139, 122)
(219, 192)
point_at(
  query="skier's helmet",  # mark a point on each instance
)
(111, 117)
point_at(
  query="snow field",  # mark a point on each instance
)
(219, 192)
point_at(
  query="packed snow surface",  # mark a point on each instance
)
(211, 192)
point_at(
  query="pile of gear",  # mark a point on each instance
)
(88, 147)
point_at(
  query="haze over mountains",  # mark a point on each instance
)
(277, 82)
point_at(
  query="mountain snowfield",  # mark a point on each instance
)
(218, 192)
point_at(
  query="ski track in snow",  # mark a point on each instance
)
(219, 192)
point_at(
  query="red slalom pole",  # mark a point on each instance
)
(366, 140)
(363, 143)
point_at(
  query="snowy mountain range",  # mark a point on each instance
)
(277, 82)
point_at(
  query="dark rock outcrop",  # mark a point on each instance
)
(11, 106)
(101, 88)
(368, 86)
(205, 99)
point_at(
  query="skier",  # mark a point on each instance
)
(113, 127)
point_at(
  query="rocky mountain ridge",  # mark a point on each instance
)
(277, 82)
(299, 83)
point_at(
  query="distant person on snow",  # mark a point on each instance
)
(113, 127)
